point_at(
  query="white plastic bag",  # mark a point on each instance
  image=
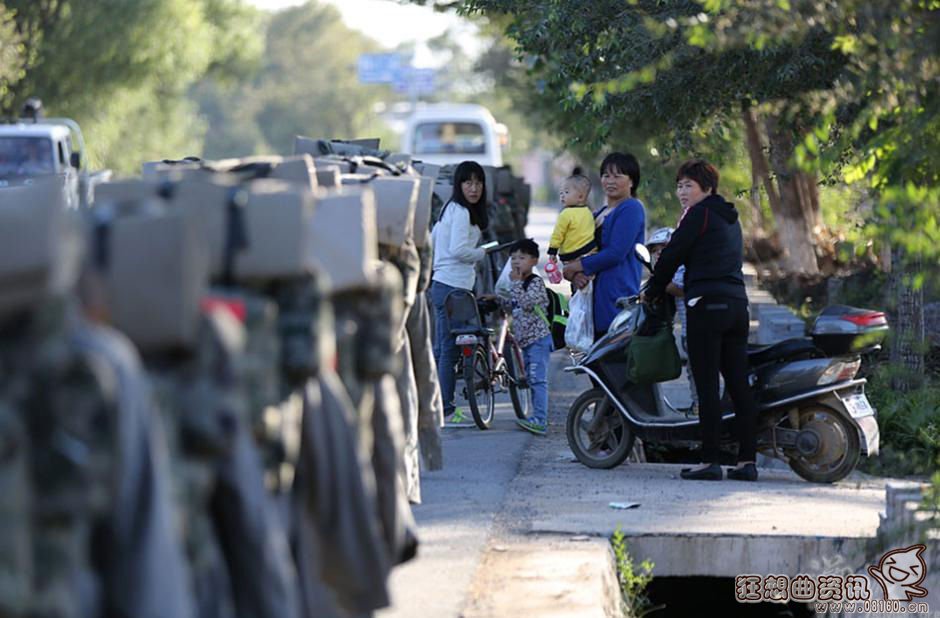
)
(579, 334)
(503, 284)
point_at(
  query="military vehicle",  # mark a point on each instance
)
(34, 146)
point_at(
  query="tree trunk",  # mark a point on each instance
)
(760, 174)
(808, 192)
(909, 334)
(797, 217)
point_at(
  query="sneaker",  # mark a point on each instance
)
(532, 427)
(459, 419)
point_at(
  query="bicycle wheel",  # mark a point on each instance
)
(519, 391)
(479, 388)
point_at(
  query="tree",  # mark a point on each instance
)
(842, 89)
(11, 55)
(878, 124)
(306, 85)
(122, 69)
(606, 71)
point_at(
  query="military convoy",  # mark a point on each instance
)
(216, 382)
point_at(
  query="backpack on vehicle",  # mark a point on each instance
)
(557, 315)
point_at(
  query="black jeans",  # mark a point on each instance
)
(717, 340)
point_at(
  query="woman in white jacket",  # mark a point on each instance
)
(456, 237)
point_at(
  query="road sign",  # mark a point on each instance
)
(379, 68)
(416, 81)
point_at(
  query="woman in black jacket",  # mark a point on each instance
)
(709, 242)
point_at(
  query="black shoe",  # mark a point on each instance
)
(687, 470)
(747, 472)
(711, 473)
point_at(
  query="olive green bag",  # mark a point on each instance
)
(653, 357)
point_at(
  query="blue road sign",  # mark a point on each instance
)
(379, 68)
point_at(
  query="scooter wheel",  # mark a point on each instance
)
(597, 433)
(836, 446)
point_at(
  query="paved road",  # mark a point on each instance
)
(457, 515)
(461, 501)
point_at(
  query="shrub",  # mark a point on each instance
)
(909, 424)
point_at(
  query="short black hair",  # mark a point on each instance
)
(469, 170)
(526, 246)
(625, 163)
(702, 172)
(583, 183)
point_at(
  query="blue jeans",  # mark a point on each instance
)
(445, 350)
(536, 357)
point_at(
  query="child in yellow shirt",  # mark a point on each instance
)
(573, 236)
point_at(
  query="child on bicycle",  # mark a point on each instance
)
(527, 303)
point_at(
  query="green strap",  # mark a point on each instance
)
(560, 319)
(541, 313)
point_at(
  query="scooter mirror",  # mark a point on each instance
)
(643, 253)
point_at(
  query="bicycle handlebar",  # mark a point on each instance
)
(499, 248)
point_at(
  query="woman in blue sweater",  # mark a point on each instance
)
(616, 268)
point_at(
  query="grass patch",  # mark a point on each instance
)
(633, 579)
(909, 424)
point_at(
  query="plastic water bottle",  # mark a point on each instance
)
(554, 274)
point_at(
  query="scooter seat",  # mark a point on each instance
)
(788, 349)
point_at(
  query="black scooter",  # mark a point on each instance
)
(812, 410)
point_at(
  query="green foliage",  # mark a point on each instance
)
(310, 76)
(932, 498)
(151, 79)
(123, 68)
(879, 118)
(306, 85)
(909, 424)
(123, 131)
(12, 54)
(633, 580)
(607, 70)
(856, 80)
(908, 216)
(503, 84)
(879, 122)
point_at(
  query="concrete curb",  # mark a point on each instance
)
(544, 576)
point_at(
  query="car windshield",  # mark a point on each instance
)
(449, 138)
(22, 157)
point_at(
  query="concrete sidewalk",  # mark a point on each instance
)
(476, 556)
(780, 524)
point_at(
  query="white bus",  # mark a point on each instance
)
(447, 133)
